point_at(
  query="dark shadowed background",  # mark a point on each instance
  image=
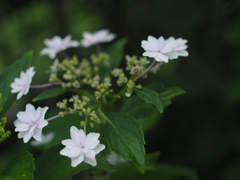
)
(200, 129)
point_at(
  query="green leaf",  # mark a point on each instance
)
(125, 137)
(149, 96)
(8, 77)
(168, 94)
(21, 168)
(115, 51)
(53, 92)
(146, 114)
(53, 166)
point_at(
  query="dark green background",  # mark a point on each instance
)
(201, 129)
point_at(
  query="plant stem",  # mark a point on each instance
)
(54, 117)
(65, 55)
(85, 125)
(45, 85)
(145, 71)
(99, 50)
(159, 64)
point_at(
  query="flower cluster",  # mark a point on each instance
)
(91, 74)
(163, 50)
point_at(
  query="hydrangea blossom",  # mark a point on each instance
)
(163, 50)
(57, 44)
(45, 140)
(82, 147)
(30, 123)
(21, 85)
(178, 49)
(97, 37)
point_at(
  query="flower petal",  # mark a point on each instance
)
(99, 148)
(92, 140)
(77, 160)
(90, 161)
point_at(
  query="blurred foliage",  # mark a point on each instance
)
(201, 129)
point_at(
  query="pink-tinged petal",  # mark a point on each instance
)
(43, 112)
(20, 94)
(90, 161)
(41, 123)
(22, 127)
(92, 140)
(24, 117)
(110, 37)
(74, 152)
(30, 109)
(21, 134)
(32, 128)
(64, 151)
(27, 136)
(99, 148)
(17, 122)
(151, 39)
(77, 160)
(161, 57)
(15, 88)
(38, 134)
(181, 53)
(160, 43)
(90, 154)
(168, 46)
(73, 131)
(171, 55)
(37, 114)
(150, 54)
(67, 38)
(80, 138)
(69, 143)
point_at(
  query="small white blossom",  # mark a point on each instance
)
(157, 48)
(45, 140)
(178, 49)
(57, 44)
(30, 123)
(82, 147)
(21, 85)
(97, 37)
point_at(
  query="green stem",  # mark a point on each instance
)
(102, 115)
(145, 71)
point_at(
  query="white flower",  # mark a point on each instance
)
(30, 123)
(22, 84)
(57, 44)
(157, 48)
(45, 140)
(97, 37)
(82, 147)
(178, 49)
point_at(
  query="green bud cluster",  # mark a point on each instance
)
(69, 70)
(79, 107)
(3, 133)
(103, 89)
(100, 60)
(122, 78)
(135, 66)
